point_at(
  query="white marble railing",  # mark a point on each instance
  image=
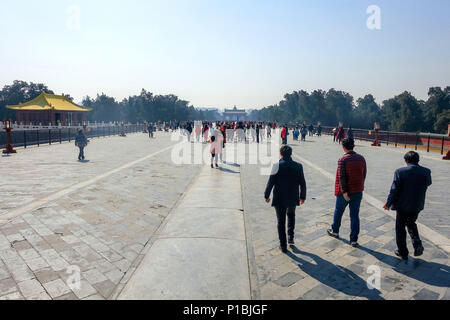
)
(22, 127)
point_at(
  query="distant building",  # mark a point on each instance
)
(50, 109)
(235, 114)
(210, 109)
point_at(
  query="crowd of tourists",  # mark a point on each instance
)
(407, 194)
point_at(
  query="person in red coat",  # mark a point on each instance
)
(341, 134)
(349, 187)
(284, 135)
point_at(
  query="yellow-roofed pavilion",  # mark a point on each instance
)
(50, 109)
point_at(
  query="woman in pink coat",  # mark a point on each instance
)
(198, 132)
(205, 133)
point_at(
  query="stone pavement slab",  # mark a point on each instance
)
(202, 247)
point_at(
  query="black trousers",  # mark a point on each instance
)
(407, 220)
(81, 154)
(282, 211)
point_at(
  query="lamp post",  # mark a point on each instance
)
(376, 129)
(9, 148)
(122, 129)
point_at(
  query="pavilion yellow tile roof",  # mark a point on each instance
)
(47, 101)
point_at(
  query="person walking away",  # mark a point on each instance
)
(269, 132)
(219, 140)
(81, 142)
(289, 191)
(311, 130)
(349, 187)
(150, 130)
(198, 131)
(350, 133)
(261, 132)
(214, 152)
(258, 128)
(319, 131)
(284, 135)
(189, 131)
(223, 130)
(253, 132)
(335, 131)
(303, 129)
(205, 133)
(341, 134)
(407, 197)
(296, 134)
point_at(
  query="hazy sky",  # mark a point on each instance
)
(215, 53)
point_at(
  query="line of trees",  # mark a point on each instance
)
(137, 108)
(401, 113)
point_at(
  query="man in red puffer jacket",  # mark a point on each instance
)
(349, 187)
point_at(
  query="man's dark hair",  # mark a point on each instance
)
(286, 151)
(412, 157)
(348, 143)
(213, 138)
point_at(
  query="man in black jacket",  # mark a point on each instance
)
(407, 197)
(286, 178)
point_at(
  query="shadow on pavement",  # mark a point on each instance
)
(231, 164)
(334, 276)
(227, 170)
(431, 273)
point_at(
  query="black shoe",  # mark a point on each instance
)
(283, 249)
(397, 253)
(212, 166)
(291, 241)
(419, 251)
(217, 165)
(333, 234)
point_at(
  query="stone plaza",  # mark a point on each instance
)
(132, 224)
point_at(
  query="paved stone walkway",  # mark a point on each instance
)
(320, 267)
(133, 222)
(101, 228)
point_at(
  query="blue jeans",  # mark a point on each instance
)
(341, 205)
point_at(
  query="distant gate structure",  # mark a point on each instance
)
(235, 114)
(50, 109)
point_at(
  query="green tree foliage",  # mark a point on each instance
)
(442, 122)
(104, 108)
(366, 112)
(339, 106)
(438, 102)
(145, 107)
(329, 107)
(402, 113)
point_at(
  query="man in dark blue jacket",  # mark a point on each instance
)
(407, 197)
(286, 178)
